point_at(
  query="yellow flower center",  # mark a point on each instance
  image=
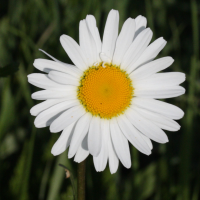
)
(105, 92)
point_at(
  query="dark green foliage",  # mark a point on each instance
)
(28, 170)
(9, 69)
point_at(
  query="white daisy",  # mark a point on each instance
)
(107, 98)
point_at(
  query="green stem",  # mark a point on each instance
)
(81, 180)
(73, 186)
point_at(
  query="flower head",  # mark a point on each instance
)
(108, 97)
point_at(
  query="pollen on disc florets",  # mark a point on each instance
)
(105, 91)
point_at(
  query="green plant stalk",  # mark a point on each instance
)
(25, 188)
(57, 178)
(73, 186)
(194, 12)
(81, 180)
(184, 192)
(72, 181)
(149, 14)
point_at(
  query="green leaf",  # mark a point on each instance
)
(9, 69)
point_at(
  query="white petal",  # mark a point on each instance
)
(151, 68)
(81, 155)
(98, 41)
(159, 92)
(110, 33)
(91, 22)
(35, 110)
(82, 152)
(133, 135)
(160, 120)
(149, 54)
(80, 132)
(50, 56)
(141, 23)
(66, 118)
(74, 51)
(48, 65)
(63, 141)
(46, 117)
(146, 127)
(53, 94)
(124, 40)
(160, 107)
(148, 141)
(87, 43)
(63, 78)
(120, 144)
(94, 136)
(105, 58)
(44, 82)
(137, 48)
(113, 159)
(101, 160)
(161, 79)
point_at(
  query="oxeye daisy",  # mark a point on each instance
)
(108, 97)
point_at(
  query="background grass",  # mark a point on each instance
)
(27, 168)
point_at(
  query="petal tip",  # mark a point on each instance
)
(70, 155)
(53, 152)
(53, 130)
(171, 59)
(37, 125)
(62, 37)
(32, 112)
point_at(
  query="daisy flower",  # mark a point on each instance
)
(108, 97)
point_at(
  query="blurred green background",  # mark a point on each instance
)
(27, 168)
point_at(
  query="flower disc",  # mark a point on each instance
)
(105, 92)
